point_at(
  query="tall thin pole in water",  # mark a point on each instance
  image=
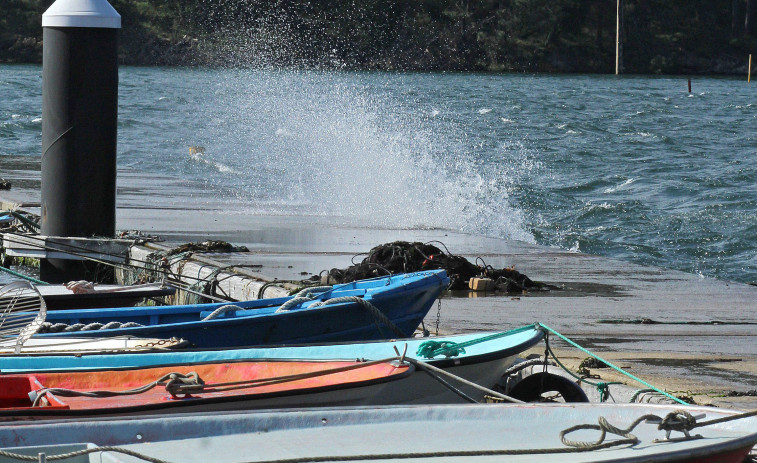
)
(749, 73)
(619, 38)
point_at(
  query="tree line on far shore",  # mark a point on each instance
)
(659, 36)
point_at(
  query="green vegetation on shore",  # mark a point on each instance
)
(694, 37)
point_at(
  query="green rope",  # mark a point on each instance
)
(602, 387)
(616, 368)
(431, 349)
(25, 220)
(21, 275)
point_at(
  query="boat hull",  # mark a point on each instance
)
(232, 386)
(403, 299)
(452, 432)
(483, 362)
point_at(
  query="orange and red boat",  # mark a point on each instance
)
(206, 387)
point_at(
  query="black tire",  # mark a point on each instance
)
(531, 388)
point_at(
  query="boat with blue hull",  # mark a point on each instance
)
(480, 358)
(379, 308)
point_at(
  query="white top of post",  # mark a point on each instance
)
(81, 13)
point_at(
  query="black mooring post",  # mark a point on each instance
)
(79, 124)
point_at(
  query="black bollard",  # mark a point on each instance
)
(79, 124)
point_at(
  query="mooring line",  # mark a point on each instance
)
(611, 365)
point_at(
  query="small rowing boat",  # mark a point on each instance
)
(206, 387)
(380, 308)
(460, 433)
(477, 357)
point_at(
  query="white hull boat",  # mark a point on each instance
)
(475, 433)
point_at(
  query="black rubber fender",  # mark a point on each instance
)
(530, 388)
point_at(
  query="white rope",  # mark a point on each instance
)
(81, 287)
(221, 310)
(303, 296)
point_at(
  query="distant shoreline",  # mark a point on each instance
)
(557, 36)
(722, 69)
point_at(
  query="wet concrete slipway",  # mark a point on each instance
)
(703, 344)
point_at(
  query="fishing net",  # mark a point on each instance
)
(403, 257)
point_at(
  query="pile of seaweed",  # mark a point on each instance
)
(403, 257)
(207, 246)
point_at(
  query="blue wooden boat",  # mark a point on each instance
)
(477, 357)
(380, 308)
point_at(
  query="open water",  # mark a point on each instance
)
(630, 167)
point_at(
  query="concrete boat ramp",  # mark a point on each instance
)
(687, 334)
(697, 338)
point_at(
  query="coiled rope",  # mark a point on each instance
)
(604, 427)
(48, 327)
(431, 349)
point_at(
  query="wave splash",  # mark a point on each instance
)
(355, 148)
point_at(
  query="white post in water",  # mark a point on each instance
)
(619, 38)
(79, 123)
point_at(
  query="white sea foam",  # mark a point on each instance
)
(349, 151)
(619, 186)
(201, 157)
(603, 206)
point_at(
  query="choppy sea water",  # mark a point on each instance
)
(634, 167)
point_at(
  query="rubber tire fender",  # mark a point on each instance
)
(530, 388)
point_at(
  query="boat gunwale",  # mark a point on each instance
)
(462, 360)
